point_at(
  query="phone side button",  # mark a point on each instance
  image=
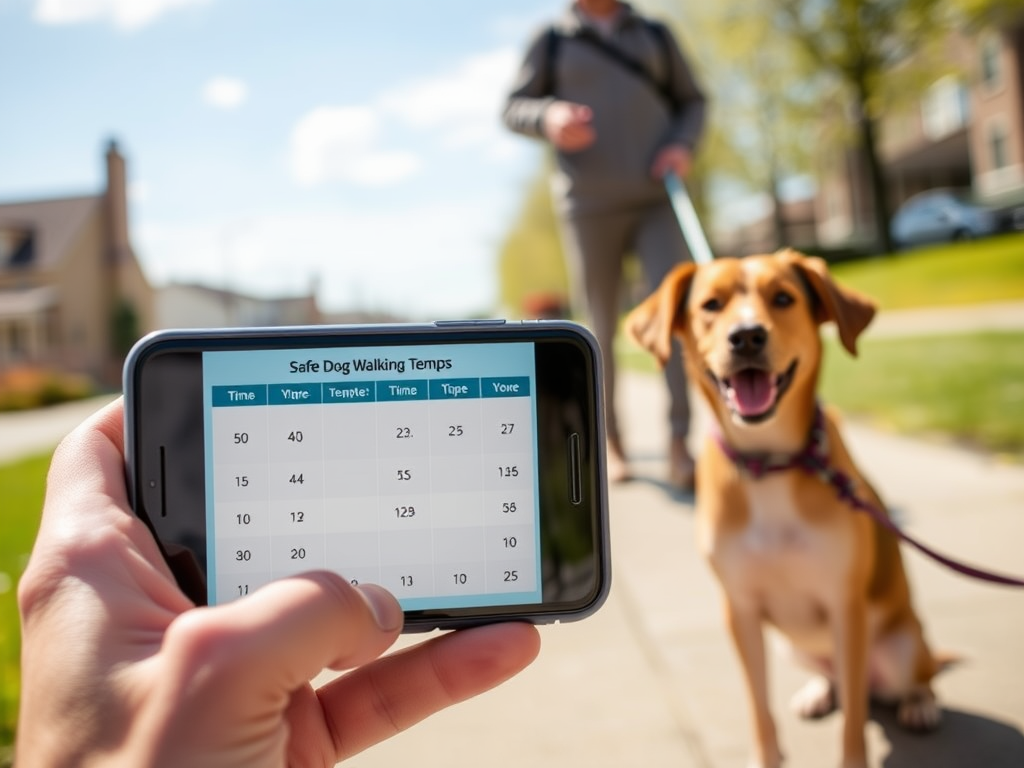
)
(469, 323)
(575, 469)
(163, 481)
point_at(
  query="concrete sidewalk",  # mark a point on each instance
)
(652, 680)
(996, 316)
(27, 432)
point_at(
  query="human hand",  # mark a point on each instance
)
(118, 668)
(567, 125)
(675, 158)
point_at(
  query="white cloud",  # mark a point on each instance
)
(225, 92)
(458, 110)
(343, 144)
(461, 108)
(471, 93)
(126, 14)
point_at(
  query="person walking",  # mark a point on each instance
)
(612, 92)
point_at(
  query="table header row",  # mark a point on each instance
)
(370, 391)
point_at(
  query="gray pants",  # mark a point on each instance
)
(595, 247)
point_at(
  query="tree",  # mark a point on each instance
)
(530, 261)
(764, 101)
(769, 100)
(876, 50)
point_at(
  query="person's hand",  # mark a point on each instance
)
(118, 667)
(567, 125)
(675, 158)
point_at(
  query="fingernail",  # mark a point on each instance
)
(385, 608)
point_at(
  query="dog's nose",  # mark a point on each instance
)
(748, 339)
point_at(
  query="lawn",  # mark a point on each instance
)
(21, 490)
(968, 388)
(965, 387)
(990, 270)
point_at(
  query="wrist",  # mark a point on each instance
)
(540, 125)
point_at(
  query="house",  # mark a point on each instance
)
(72, 293)
(967, 130)
(190, 305)
(761, 234)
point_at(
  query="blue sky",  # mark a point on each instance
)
(271, 143)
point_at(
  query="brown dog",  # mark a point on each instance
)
(787, 550)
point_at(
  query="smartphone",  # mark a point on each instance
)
(458, 464)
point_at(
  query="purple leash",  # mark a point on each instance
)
(814, 460)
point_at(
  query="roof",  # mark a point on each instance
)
(222, 294)
(53, 223)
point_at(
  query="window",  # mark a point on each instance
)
(998, 147)
(991, 71)
(943, 108)
(15, 247)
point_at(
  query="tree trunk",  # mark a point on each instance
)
(876, 173)
(778, 219)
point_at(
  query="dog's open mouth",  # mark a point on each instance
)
(753, 393)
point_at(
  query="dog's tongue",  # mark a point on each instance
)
(752, 392)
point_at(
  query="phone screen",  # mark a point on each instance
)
(459, 467)
(410, 467)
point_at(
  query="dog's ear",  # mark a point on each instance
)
(849, 310)
(650, 324)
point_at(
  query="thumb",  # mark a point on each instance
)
(285, 633)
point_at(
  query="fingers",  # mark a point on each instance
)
(673, 158)
(86, 495)
(568, 125)
(580, 113)
(278, 638)
(373, 703)
(109, 421)
(89, 460)
(90, 545)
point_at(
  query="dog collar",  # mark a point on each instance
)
(813, 459)
(810, 458)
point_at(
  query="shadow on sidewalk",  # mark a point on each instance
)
(686, 499)
(964, 739)
(648, 469)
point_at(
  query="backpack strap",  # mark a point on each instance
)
(663, 37)
(552, 39)
(657, 30)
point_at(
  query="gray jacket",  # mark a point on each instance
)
(631, 120)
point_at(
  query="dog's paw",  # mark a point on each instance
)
(919, 711)
(815, 700)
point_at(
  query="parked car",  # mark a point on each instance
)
(945, 215)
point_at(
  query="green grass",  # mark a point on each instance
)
(976, 272)
(22, 485)
(966, 387)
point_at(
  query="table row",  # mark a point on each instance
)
(400, 429)
(372, 513)
(457, 562)
(405, 476)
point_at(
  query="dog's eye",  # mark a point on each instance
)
(711, 305)
(782, 299)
